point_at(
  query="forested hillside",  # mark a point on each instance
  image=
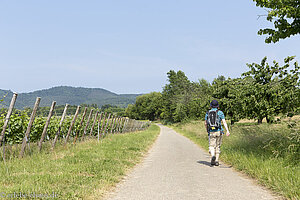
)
(70, 95)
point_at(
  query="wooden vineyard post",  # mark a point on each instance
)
(99, 121)
(87, 124)
(9, 112)
(92, 128)
(128, 125)
(82, 119)
(121, 124)
(118, 124)
(106, 124)
(102, 125)
(60, 125)
(46, 125)
(131, 125)
(113, 124)
(124, 130)
(72, 124)
(27, 133)
(136, 125)
(142, 124)
(110, 124)
(125, 125)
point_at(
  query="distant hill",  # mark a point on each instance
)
(70, 95)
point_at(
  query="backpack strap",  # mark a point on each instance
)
(220, 126)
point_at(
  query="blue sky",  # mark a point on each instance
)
(129, 46)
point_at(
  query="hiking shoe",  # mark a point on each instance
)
(213, 160)
(217, 163)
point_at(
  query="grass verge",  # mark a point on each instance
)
(268, 153)
(84, 171)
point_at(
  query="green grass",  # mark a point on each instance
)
(268, 153)
(84, 171)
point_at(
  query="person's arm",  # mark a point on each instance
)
(226, 127)
(205, 123)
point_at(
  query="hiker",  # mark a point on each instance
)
(213, 119)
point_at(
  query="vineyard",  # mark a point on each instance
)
(22, 133)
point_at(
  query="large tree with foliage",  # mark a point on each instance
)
(147, 106)
(176, 96)
(230, 94)
(201, 98)
(285, 14)
(271, 89)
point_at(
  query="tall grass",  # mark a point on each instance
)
(268, 153)
(82, 171)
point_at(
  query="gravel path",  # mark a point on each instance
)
(176, 168)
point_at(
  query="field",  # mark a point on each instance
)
(86, 170)
(266, 152)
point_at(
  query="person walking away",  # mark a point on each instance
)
(213, 119)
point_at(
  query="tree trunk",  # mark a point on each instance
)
(260, 121)
(269, 120)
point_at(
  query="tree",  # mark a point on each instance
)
(130, 111)
(286, 17)
(230, 94)
(271, 89)
(107, 106)
(153, 106)
(201, 98)
(147, 106)
(176, 95)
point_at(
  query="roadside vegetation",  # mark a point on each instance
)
(262, 93)
(83, 171)
(269, 153)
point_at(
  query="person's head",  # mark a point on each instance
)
(214, 104)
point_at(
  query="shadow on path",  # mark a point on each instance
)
(204, 163)
(208, 164)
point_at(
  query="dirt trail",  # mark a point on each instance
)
(176, 168)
